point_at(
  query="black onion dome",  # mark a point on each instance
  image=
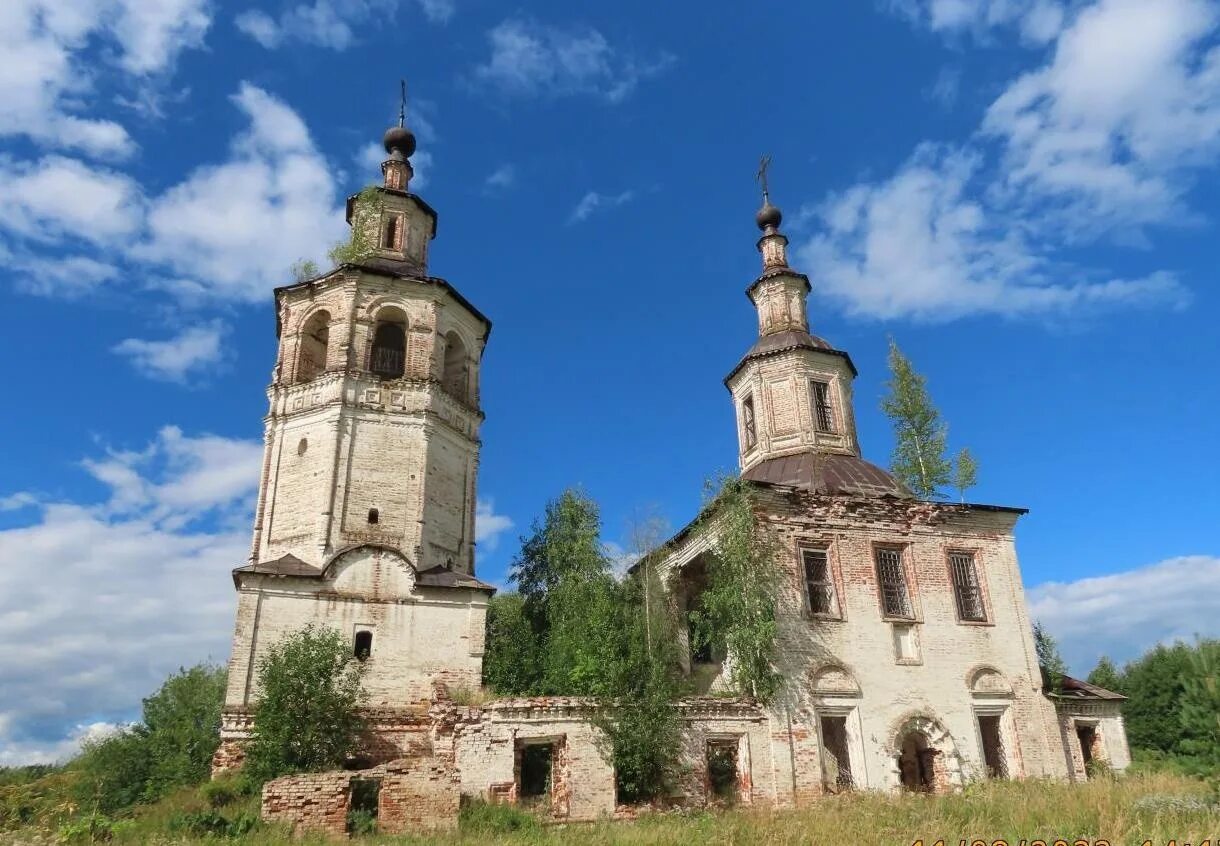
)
(768, 216)
(400, 139)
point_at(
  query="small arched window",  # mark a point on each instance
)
(374, 517)
(456, 377)
(312, 346)
(364, 645)
(388, 356)
(389, 238)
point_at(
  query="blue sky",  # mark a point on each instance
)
(1024, 193)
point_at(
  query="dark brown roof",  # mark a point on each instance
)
(827, 473)
(791, 339)
(289, 565)
(439, 577)
(1077, 689)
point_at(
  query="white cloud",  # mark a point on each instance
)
(1105, 135)
(1123, 614)
(501, 179)
(233, 229)
(488, 525)
(61, 276)
(945, 88)
(191, 350)
(57, 198)
(593, 200)
(1037, 20)
(45, 71)
(332, 24)
(532, 59)
(918, 245)
(17, 501)
(109, 599)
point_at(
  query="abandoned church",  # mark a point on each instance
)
(905, 642)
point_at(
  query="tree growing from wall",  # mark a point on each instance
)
(366, 221)
(1053, 667)
(920, 435)
(307, 717)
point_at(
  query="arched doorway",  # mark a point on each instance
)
(917, 763)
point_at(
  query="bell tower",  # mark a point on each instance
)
(373, 431)
(792, 390)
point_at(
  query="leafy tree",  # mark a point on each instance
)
(182, 727)
(303, 270)
(919, 448)
(583, 638)
(114, 771)
(366, 221)
(1106, 675)
(512, 663)
(566, 542)
(1200, 706)
(965, 472)
(1053, 667)
(737, 608)
(307, 716)
(1155, 685)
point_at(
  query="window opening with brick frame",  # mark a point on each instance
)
(535, 772)
(722, 778)
(390, 240)
(388, 355)
(819, 587)
(895, 601)
(313, 344)
(363, 646)
(362, 809)
(836, 761)
(966, 587)
(456, 372)
(824, 414)
(993, 746)
(748, 423)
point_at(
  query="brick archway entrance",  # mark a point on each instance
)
(917, 763)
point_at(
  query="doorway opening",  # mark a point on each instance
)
(1087, 735)
(534, 772)
(722, 778)
(993, 747)
(836, 762)
(916, 763)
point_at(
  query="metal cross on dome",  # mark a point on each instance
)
(761, 176)
(402, 103)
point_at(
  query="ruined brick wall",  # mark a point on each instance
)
(1110, 735)
(317, 802)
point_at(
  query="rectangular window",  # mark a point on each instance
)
(747, 422)
(893, 584)
(966, 587)
(906, 644)
(823, 411)
(819, 588)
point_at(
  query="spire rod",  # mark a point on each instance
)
(402, 103)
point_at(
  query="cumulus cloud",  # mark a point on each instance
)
(1123, 614)
(1037, 20)
(332, 24)
(1106, 135)
(532, 59)
(190, 351)
(235, 228)
(924, 245)
(57, 198)
(45, 71)
(488, 525)
(111, 597)
(594, 200)
(501, 179)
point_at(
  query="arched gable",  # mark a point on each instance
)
(834, 680)
(377, 572)
(984, 680)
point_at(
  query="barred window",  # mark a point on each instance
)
(893, 584)
(818, 585)
(966, 587)
(747, 422)
(823, 412)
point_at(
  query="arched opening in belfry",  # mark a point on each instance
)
(314, 339)
(389, 237)
(456, 375)
(917, 763)
(388, 355)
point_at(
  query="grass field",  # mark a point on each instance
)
(1160, 808)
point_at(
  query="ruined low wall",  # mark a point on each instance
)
(313, 802)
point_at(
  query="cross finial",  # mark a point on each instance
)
(761, 176)
(402, 103)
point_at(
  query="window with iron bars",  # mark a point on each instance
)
(747, 422)
(822, 408)
(893, 584)
(818, 585)
(966, 587)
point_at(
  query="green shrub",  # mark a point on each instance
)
(220, 792)
(484, 818)
(91, 828)
(211, 823)
(361, 821)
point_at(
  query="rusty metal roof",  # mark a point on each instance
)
(288, 565)
(827, 473)
(791, 339)
(440, 577)
(1077, 689)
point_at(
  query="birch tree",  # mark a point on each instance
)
(919, 433)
